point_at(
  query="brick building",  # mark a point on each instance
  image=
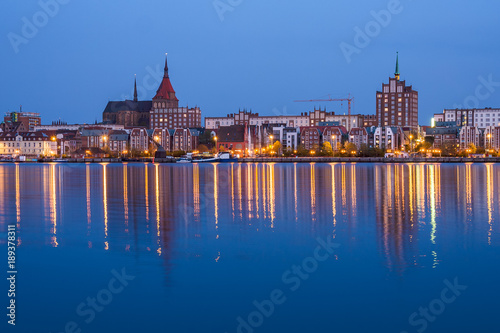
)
(397, 103)
(28, 120)
(128, 113)
(166, 113)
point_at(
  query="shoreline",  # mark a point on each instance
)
(390, 160)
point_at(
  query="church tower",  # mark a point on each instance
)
(165, 95)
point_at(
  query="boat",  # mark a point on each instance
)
(227, 157)
(223, 157)
(183, 160)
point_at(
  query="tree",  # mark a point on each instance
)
(448, 149)
(276, 147)
(302, 151)
(424, 145)
(327, 149)
(349, 147)
(365, 151)
(429, 139)
(472, 148)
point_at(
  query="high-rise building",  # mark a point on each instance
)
(166, 112)
(28, 119)
(397, 103)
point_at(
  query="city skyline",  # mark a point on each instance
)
(267, 77)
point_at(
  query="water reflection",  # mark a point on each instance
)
(409, 211)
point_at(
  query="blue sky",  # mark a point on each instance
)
(260, 54)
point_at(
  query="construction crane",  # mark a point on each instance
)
(349, 100)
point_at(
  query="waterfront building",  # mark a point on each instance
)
(139, 139)
(161, 136)
(358, 136)
(29, 144)
(95, 137)
(185, 139)
(233, 138)
(118, 141)
(494, 140)
(334, 135)
(310, 138)
(397, 103)
(388, 137)
(313, 138)
(468, 135)
(166, 113)
(287, 136)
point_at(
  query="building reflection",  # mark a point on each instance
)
(142, 208)
(396, 215)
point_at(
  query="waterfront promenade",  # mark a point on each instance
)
(424, 160)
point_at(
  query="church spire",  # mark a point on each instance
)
(166, 67)
(166, 91)
(396, 73)
(135, 88)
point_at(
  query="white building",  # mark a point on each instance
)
(388, 137)
(30, 144)
(480, 118)
(287, 136)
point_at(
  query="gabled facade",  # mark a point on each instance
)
(468, 135)
(358, 136)
(139, 139)
(118, 141)
(185, 139)
(334, 135)
(162, 137)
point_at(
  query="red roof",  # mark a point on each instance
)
(165, 90)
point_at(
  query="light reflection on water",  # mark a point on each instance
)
(407, 199)
(409, 216)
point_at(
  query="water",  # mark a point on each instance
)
(203, 244)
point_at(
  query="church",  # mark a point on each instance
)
(163, 112)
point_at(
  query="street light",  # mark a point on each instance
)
(216, 146)
(104, 139)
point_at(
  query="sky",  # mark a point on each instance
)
(67, 58)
